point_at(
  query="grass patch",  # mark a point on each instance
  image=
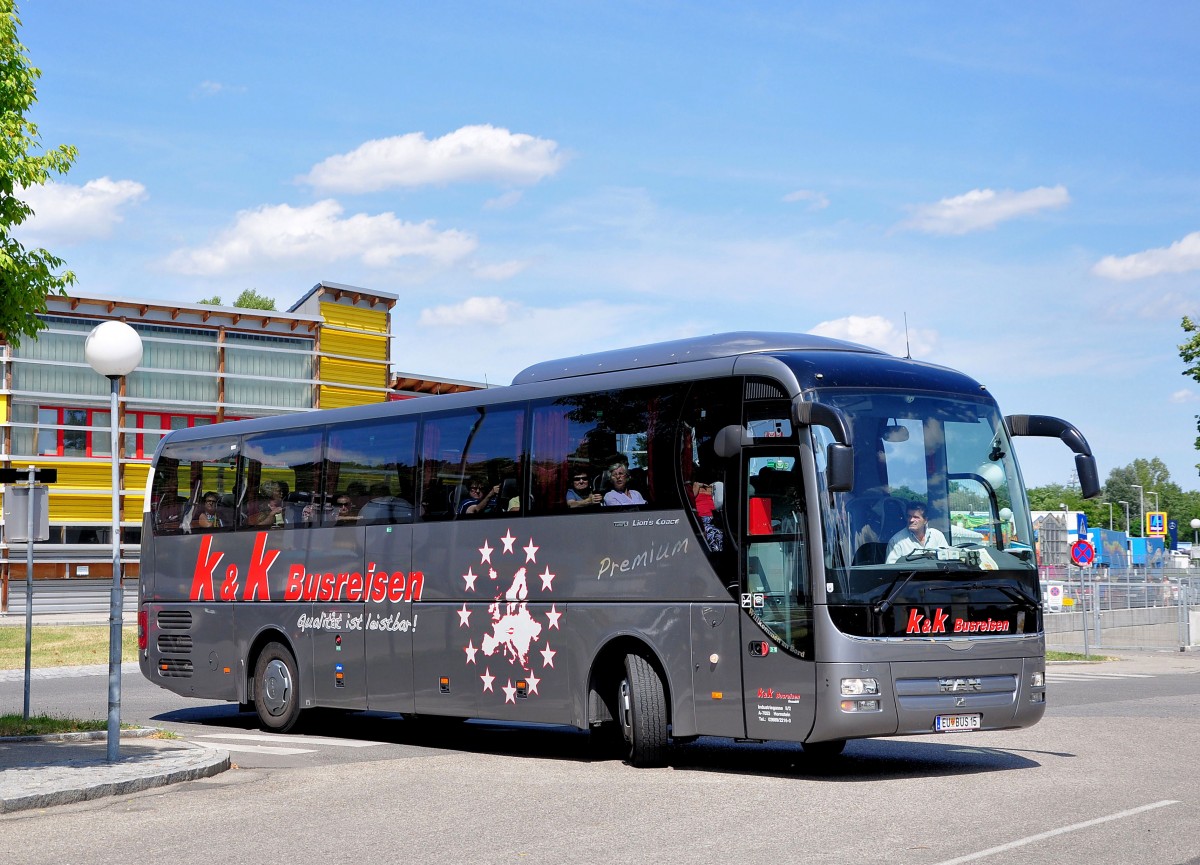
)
(43, 725)
(62, 645)
(1075, 656)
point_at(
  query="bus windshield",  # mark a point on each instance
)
(937, 507)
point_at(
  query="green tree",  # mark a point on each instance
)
(215, 300)
(1189, 351)
(26, 275)
(251, 299)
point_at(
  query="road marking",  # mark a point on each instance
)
(1074, 827)
(255, 749)
(1084, 677)
(291, 740)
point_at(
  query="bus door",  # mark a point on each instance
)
(778, 673)
(332, 620)
(390, 615)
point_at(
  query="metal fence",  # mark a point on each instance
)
(70, 596)
(1125, 609)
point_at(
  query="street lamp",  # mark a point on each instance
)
(1066, 539)
(1126, 504)
(1110, 528)
(1155, 494)
(1141, 508)
(1195, 531)
(114, 350)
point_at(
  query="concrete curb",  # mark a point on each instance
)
(43, 771)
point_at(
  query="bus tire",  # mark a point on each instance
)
(276, 689)
(642, 713)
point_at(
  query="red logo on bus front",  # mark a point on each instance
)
(919, 623)
(376, 585)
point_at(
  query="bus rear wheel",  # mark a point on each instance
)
(642, 713)
(276, 689)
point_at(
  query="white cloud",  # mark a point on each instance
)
(318, 234)
(503, 202)
(472, 153)
(500, 270)
(816, 200)
(472, 311)
(206, 89)
(493, 339)
(1180, 257)
(70, 213)
(982, 209)
(1185, 396)
(877, 332)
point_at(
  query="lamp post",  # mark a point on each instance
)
(1195, 532)
(1109, 515)
(1126, 504)
(1141, 508)
(1155, 494)
(114, 350)
(1066, 539)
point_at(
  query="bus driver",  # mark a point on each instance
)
(919, 535)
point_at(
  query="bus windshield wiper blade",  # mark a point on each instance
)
(1014, 592)
(894, 589)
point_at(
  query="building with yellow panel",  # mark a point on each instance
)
(201, 364)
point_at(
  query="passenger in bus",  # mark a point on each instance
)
(621, 493)
(705, 504)
(209, 518)
(344, 510)
(918, 535)
(267, 509)
(476, 502)
(581, 494)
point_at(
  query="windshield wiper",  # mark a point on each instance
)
(1014, 592)
(894, 589)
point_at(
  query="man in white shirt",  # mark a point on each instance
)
(918, 536)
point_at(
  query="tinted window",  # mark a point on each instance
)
(480, 446)
(186, 476)
(591, 433)
(280, 479)
(369, 473)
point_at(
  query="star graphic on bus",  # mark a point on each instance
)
(512, 632)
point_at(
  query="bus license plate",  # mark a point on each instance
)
(957, 723)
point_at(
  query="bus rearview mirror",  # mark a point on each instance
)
(839, 472)
(730, 440)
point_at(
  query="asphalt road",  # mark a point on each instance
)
(1112, 775)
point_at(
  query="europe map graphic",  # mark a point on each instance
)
(511, 634)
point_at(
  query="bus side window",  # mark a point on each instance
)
(286, 467)
(370, 470)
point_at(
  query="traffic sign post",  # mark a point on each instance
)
(32, 498)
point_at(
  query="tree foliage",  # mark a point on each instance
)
(1189, 351)
(251, 299)
(248, 299)
(26, 275)
(1153, 476)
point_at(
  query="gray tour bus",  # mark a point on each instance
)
(760, 536)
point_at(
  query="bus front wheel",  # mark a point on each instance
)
(642, 713)
(276, 689)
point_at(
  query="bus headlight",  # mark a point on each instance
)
(860, 705)
(858, 687)
(1038, 680)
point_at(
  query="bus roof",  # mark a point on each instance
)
(684, 351)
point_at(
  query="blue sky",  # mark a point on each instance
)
(538, 180)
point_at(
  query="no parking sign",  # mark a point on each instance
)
(1083, 553)
(1054, 595)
